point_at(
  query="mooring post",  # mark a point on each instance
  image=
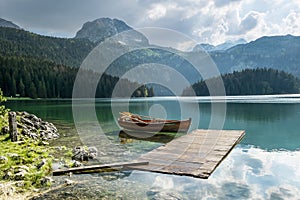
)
(13, 133)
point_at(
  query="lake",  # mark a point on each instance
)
(263, 166)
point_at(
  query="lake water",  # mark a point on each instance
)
(265, 165)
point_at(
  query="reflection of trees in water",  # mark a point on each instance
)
(261, 112)
(45, 109)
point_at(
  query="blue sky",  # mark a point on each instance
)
(206, 21)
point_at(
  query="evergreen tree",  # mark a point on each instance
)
(21, 88)
(32, 91)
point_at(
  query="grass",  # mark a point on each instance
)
(29, 155)
(27, 162)
(26, 155)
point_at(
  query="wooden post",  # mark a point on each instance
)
(12, 126)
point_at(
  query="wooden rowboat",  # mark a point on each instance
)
(134, 122)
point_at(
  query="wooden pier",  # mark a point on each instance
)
(196, 154)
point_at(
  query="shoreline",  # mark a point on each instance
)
(26, 164)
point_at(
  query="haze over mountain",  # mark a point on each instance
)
(276, 52)
(221, 47)
(9, 24)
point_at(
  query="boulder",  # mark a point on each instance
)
(26, 122)
(80, 154)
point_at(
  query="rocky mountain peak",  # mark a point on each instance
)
(9, 24)
(102, 28)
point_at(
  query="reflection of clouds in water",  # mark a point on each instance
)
(249, 173)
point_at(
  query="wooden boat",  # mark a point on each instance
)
(134, 122)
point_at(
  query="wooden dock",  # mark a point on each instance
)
(196, 154)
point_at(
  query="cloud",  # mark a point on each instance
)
(240, 26)
(213, 21)
(221, 3)
(156, 12)
(247, 173)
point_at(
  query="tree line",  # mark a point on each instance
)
(260, 81)
(36, 78)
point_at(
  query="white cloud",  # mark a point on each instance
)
(213, 21)
(157, 11)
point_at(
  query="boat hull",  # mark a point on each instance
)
(157, 126)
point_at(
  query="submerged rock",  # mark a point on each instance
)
(69, 182)
(47, 180)
(81, 154)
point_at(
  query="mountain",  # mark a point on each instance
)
(221, 47)
(102, 28)
(8, 24)
(21, 43)
(36, 66)
(276, 52)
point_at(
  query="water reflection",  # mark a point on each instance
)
(247, 173)
(256, 169)
(128, 137)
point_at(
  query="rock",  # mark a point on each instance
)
(20, 184)
(4, 130)
(34, 118)
(24, 113)
(69, 182)
(37, 125)
(3, 159)
(33, 135)
(21, 175)
(76, 163)
(34, 128)
(22, 168)
(47, 180)
(26, 121)
(93, 152)
(80, 154)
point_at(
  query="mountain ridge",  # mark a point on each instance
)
(8, 24)
(277, 52)
(221, 47)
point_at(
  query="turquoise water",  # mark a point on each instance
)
(263, 166)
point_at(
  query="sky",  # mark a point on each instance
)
(206, 21)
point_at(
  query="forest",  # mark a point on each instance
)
(259, 81)
(21, 43)
(38, 66)
(35, 78)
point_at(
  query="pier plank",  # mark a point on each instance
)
(195, 154)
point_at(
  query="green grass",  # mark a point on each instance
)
(30, 154)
